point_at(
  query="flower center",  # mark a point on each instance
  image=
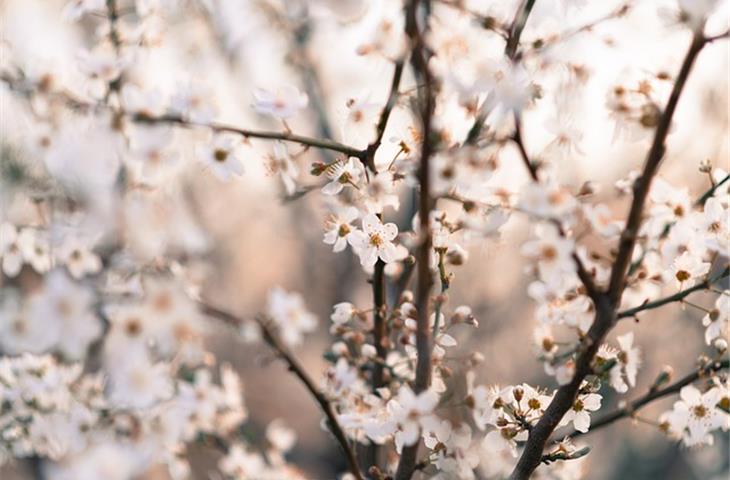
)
(220, 155)
(683, 275)
(375, 240)
(699, 410)
(345, 178)
(549, 252)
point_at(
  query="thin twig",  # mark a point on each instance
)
(512, 52)
(385, 114)
(653, 394)
(631, 312)
(518, 25)
(283, 136)
(15, 85)
(271, 337)
(709, 193)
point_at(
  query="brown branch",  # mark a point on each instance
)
(677, 297)
(272, 338)
(380, 337)
(510, 49)
(385, 114)
(419, 61)
(606, 305)
(709, 193)
(73, 102)
(518, 25)
(643, 183)
(517, 138)
(283, 136)
(653, 394)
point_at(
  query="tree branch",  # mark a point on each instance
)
(27, 91)
(385, 114)
(605, 317)
(272, 338)
(283, 136)
(654, 394)
(419, 61)
(709, 193)
(643, 183)
(510, 49)
(631, 312)
(518, 25)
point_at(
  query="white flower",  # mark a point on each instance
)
(579, 412)
(718, 318)
(193, 102)
(281, 437)
(150, 152)
(548, 201)
(553, 253)
(696, 415)
(102, 64)
(358, 129)
(284, 103)
(694, 13)
(379, 193)
(602, 221)
(36, 249)
(240, 463)
(138, 382)
(343, 313)
(714, 224)
(223, 157)
(510, 89)
(375, 241)
(76, 254)
(71, 306)
(289, 313)
(567, 138)
(629, 357)
(410, 412)
(503, 441)
(687, 268)
(282, 164)
(342, 376)
(10, 251)
(21, 332)
(339, 230)
(147, 103)
(342, 174)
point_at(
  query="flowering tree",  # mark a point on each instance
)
(104, 313)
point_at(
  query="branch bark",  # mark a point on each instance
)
(631, 312)
(271, 337)
(511, 50)
(268, 135)
(654, 394)
(419, 62)
(608, 302)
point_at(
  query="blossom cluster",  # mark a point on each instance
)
(105, 368)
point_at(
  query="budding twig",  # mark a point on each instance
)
(607, 303)
(631, 312)
(271, 337)
(654, 394)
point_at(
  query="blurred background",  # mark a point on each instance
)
(260, 240)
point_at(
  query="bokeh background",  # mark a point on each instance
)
(258, 240)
